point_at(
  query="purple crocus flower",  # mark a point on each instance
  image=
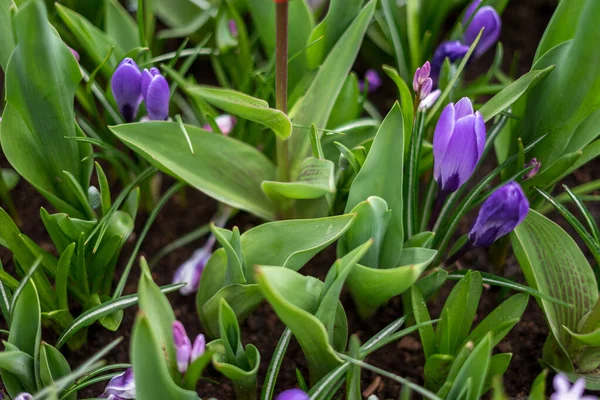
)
(452, 50)
(225, 122)
(186, 352)
(126, 86)
(422, 83)
(293, 394)
(233, 28)
(485, 17)
(430, 100)
(156, 93)
(499, 215)
(373, 80)
(532, 172)
(563, 390)
(458, 143)
(120, 387)
(24, 396)
(190, 271)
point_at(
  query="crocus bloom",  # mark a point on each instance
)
(373, 80)
(458, 143)
(532, 172)
(485, 17)
(120, 387)
(24, 396)
(225, 122)
(502, 212)
(452, 50)
(126, 85)
(292, 394)
(190, 271)
(430, 100)
(233, 28)
(422, 83)
(186, 352)
(156, 93)
(564, 391)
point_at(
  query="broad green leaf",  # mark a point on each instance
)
(120, 26)
(226, 169)
(96, 43)
(7, 38)
(316, 105)
(348, 106)
(436, 370)
(590, 338)
(474, 370)
(17, 370)
(458, 313)
(53, 366)
(379, 176)
(498, 365)
(510, 310)
(244, 106)
(26, 321)
(316, 179)
(159, 315)
(512, 93)
(41, 79)
(406, 103)
(370, 288)
(339, 16)
(422, 239)
(244, 381)
(150, 369)
(295, 299)
(553, 264)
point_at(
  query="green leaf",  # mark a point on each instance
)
(553, 264)
(7, 38)
(53, 366)
(458, 313)
(26, 320)
(421, 314)
(473, 372)
(498, 365)
(295, 299)
(370, 288)
(17, 369)
(316, 105)
(353, 377)
(347, 106)
(41, 79)
(120, 26)
(512, 93)
(538, 388)
(436, 370)
(510, 310)
(96, 43)
(109, 307)
(62, 277)
(226, 169)
(379, 177)
(275, 365)
(339, 16)
(406, 103)
(150, 369)
(243, 106)
(316, 180)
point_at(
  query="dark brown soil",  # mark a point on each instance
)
(523, 26)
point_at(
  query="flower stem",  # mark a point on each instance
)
(281, 84)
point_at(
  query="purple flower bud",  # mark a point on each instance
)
(120, 387)
(126, 85)
(564, 391)
(485, 17)
(191, 270)
(225, 122)
(425, 88)
(452, 50)
(532, 172)
(24, 396)
(506, 208)
(292, 394)
(75, 54)
(186, 353)
(430, 100)
(233, 28)
(373, 79)
(458, 143)
(156, 93)
(421, 75)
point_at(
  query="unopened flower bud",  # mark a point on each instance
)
(373, 80)
(156, 93)
(533, 171)
(487, 18)
(421, 75)
(126, 85)
(292, 394)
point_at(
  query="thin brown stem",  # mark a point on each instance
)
(281, 84)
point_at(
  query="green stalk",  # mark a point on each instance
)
(413, 173)
(281, 84)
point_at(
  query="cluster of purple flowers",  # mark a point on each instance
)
(475, 19)
(130, 87)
